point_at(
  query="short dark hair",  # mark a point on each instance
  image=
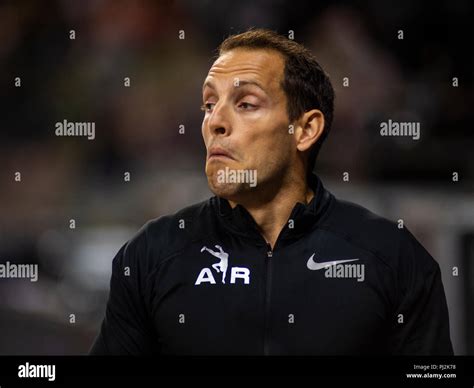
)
(305, 83)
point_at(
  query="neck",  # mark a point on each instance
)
(272, 213)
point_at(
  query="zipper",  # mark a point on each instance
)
(268, 288)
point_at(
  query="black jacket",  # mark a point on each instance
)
(340, 280)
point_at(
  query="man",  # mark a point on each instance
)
(273, 264)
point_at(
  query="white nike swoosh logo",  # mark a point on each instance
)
(313, 266)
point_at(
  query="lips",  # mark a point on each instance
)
(218, 152)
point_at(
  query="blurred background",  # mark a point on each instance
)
(137, 132)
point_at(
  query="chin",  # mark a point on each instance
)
(230, 182)
(229, 191)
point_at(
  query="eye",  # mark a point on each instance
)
(207, 107)
(246, 106)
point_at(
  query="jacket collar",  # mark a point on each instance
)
(305, 217)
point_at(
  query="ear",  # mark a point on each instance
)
(309, 129)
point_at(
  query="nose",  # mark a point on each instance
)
(218, 122)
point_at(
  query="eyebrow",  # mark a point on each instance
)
(209, 84)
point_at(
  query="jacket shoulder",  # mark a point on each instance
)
(388, 240)
(171, 233)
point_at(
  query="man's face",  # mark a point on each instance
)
(245, 125)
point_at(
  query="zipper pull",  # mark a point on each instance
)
(269, 250)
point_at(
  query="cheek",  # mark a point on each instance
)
(271, 145)
(204, 132)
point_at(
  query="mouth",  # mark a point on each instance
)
(219, 153)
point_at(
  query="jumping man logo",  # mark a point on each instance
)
(206, 276)
(221, 266)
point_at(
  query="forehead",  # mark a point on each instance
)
(261, 65)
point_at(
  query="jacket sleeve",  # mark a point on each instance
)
(127, 328)
(421, 322)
